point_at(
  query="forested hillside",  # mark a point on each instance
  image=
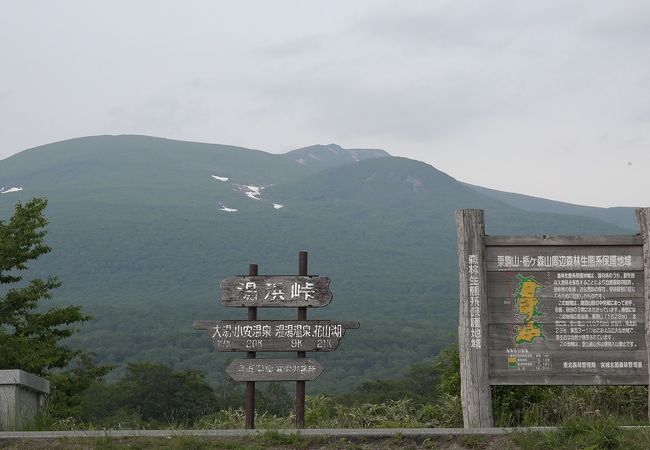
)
(143, 229)
(621, 216)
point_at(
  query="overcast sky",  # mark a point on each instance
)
(546, 98)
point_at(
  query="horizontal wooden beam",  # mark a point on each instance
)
(632, 239)
(554, 379)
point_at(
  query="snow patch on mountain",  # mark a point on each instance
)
(336, 149)
(226, 209)
(216, 177)
(416, 185)
(300, 161)
(11, 189)
(250, 191)
(277, 206)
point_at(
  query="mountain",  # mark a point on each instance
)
(620, 216)
(143, 229)
(332, 155)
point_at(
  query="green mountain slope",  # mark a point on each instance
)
(623, 217)
(141, 239)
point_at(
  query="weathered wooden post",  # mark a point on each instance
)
(643, 216)
(250, 385)
(473, 326)
(302, 315)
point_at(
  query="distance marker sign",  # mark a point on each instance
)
(275, 335)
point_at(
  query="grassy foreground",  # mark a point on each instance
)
(579, 434)
(271, 440)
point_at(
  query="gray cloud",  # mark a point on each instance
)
(292, 48)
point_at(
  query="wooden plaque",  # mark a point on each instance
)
(567, 314)
(300, 369)
(276, 291)
(275, 335)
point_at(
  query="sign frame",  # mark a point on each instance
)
(478, 266)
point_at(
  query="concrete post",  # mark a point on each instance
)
(22, 394)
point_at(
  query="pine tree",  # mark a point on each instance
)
(30, 336)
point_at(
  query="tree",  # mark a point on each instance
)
(74, 391)
(30, 337)
(159, 393)
(275, 400)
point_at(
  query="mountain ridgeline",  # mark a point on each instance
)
(144, 228)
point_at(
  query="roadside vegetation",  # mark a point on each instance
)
(427, 397)
(155, 396)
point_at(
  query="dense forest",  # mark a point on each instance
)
(140, 241)
(153, 395)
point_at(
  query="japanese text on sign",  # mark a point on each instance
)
(288, 331)
(263, 367)
(474, 302)
(276, 291)
(565, 261)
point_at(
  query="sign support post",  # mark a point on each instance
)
(643, 216)
(250, 385)
(302, 315)
(476, 396)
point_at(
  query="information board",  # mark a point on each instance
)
(550, 310)
(566, 315)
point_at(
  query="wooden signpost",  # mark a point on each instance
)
(303, 369)
(252, 335)
(550, 310)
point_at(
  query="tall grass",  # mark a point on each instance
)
(555, 405)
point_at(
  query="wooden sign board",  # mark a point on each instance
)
(301, 369)
(252, 336)
(545, 310)
(276, 291)
(566, 314)
(275, 335)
